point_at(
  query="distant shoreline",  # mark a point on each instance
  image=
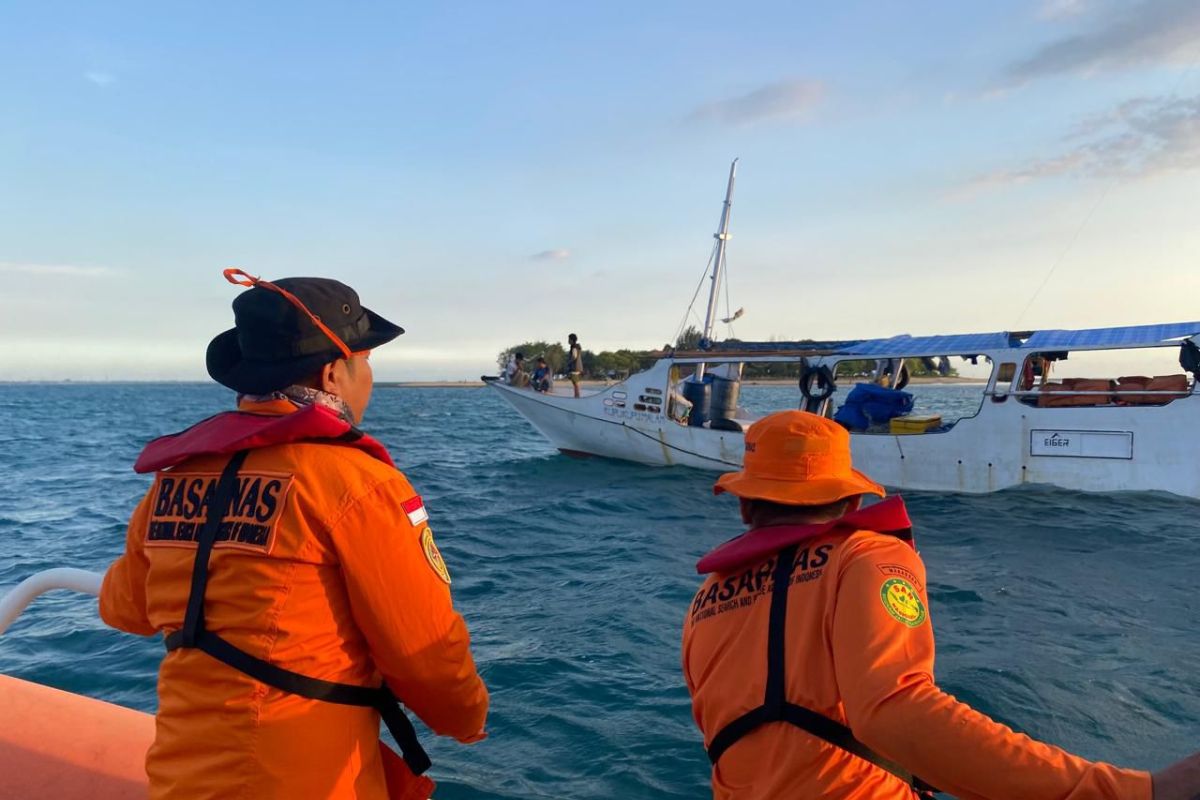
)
(476, 384)
(471, 384)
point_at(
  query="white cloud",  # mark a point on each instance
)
(557, 254)
(1139, 138)
(72, 270)
(793, 99)
(1151, 32)
(100, 78)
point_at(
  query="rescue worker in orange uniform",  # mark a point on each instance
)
(292, 569)
(808, 652)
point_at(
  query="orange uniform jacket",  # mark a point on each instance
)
(324, 575)
(859, 650)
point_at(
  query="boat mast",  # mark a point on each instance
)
(722, 236)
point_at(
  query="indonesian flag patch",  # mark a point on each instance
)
(415, 509)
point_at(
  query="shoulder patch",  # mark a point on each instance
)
(181, 501)
(414, 508)
(433, 555)
(899, 571)
(902, 602)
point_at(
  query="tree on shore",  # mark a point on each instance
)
(609, 364)
(689, 339)
(621, 363)
(555, 355)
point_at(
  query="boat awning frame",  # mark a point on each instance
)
(1112, 338)
(969, 344)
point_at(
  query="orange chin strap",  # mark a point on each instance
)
(246, 279)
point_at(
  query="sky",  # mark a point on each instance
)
(491, 173)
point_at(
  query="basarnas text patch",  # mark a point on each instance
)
(181, 501)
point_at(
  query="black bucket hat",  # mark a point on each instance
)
(286, 330)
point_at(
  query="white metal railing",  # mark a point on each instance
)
(1176, 393)
(21, 595)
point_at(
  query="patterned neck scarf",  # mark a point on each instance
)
(305, 396)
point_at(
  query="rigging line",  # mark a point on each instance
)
(1070, 246)
(692, 305)
(688, 311)
(1174, 94)
(728, 307)
(675, 447)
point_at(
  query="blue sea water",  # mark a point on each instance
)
(1069, 616)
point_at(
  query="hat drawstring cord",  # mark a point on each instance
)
(250, 280)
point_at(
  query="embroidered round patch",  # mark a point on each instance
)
(434, 556)
(902, 602)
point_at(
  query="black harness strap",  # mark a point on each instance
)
(194, 634)
(352, 435)
(218, 508)
(776, 708)
(776, 695)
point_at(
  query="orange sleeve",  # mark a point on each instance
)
(685, 662)
(883, 657)
(123, 592)
(403, 607)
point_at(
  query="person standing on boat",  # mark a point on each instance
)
(574, 361)
(293, 572)
(808, 652)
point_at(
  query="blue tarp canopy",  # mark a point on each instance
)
(967, 344)
(905, 345)
(1133, 336)
(773, 347)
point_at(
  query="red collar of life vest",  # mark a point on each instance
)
(887, 516)
(252, 426)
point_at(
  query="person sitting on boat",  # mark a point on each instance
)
(679, 408)
(514, 373)
(542, 377)
(291, 567)
(808, 651)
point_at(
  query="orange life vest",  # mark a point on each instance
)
(808, 652)
(291, 586)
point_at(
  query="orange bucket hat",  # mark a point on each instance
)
(798, 459)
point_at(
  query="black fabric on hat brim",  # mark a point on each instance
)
(228, 367)
(812, 492)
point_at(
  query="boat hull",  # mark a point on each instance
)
(63, 745)
(1006, 444)
(588, 426)
(1098, 449)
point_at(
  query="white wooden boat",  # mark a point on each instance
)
(1109, 433)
